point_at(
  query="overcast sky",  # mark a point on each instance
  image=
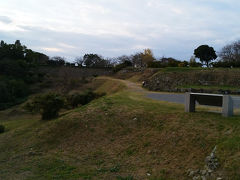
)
(70, 28)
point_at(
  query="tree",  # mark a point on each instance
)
(183, 64)
(18, 70)
(79, 61)
(193, 63)
(123, 58)
(48, 105)
(147, 57)
(12, 51)
(205, 54)
(137, 60)
(60, 61)
(170, 62)
(230, 53)
(95, 61)
(36, 57)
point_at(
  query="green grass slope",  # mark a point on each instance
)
(120, 136)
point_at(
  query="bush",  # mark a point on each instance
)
(81, 99)
(156, 64)
(12, 92)
(183, 64)
(195, 64)
(2, 129)
(122, 66)
(226, 64)
(48, 105)
(74, 100)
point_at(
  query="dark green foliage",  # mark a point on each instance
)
(183, 64)
(125, 178)
(226, 64)
(128, 63)
(17, 51)
(195, 64)
(36, 57)
(2, 129)
(205, 54)
(12, 51)
(48, 105)
(56, 61)
(12, 91)
(76, 99)
(81, 99)
(122, 66)
(95, 61)
(166, 62)
(155, 64)
(17, 72)
(170, 62)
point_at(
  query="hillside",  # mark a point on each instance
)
(214, 80)
(122, 136)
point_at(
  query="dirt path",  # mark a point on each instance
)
(169, 97)
(160, 96)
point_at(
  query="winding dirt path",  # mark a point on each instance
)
(164, 96)
(160, 96)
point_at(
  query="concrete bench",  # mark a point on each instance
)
(219, 100)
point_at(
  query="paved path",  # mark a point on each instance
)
(180, 98)
(169, 97)
(176, 98)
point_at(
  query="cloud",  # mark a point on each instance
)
(112, 28)
(68, 46)
(51, 49)
(5, 19)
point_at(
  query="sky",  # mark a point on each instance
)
(111, 28)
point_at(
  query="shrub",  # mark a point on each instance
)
(75, 99)
(2, 129)
(81, 99)
(195, 64)
(156, 64)
(122, 66)
(183, 64)
(12, 92)
(73, 83)
(48, 105)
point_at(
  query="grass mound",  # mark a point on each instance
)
(119, 136)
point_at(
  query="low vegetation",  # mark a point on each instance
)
(2, 129)
(74, 100)
(105, 128)
(196, 79)
(119, 136)
(48, 105)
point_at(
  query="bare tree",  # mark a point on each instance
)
(79, 61)
(230, 52)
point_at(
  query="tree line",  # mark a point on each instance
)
(229, 56)
(18, 65)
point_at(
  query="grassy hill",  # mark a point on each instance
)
(122, 136)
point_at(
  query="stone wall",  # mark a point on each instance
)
(175, 81)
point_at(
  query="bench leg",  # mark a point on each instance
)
(227, 107)
(189, 103)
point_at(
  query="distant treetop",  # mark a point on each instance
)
(205, 54)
